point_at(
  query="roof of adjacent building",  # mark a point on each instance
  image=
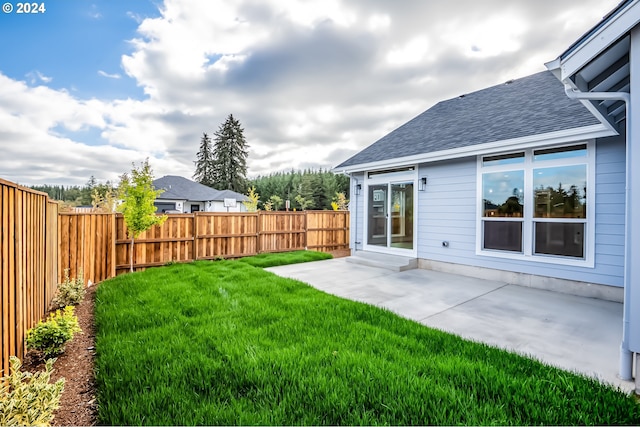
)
(179, 188)
(531, 105)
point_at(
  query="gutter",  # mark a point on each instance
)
(626, 355)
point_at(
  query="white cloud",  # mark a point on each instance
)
(36, 77)
(413, 52)
(32, 151)
(135, 16)
(379, 22)
(494, 36)
(311, 82)
(109, 76)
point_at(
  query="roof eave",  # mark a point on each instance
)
(569, 135)
(171, 199)
(611, 29)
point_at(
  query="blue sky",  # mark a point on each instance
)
(77, 44)
(88, 87)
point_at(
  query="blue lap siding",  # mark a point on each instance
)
(446, 211)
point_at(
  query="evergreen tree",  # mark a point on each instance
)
(76, 195)
(204, 162)
(87, 191)
(312, 191)
(230, 157)
(316, 188)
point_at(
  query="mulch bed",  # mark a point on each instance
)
(78, 405)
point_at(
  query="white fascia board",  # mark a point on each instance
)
(587, 103)
(554, 67)
(159, 199)
(616, 27)
(598, 114)
(570, 135)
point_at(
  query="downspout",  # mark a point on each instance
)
(626, 355)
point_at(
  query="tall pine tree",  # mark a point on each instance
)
(204, 162)
(230, 157)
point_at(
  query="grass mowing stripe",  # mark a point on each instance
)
(286, 258)
(227, 343)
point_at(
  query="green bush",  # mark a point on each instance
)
(49, 337)
(29, 399)
(70, 292)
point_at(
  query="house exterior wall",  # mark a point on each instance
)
(455, 220)
(356, 207)
(632, 251)
(210, 206)
(610, 209)
(218, 206)
(447, 212)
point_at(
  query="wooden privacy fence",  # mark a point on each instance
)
(87, 243)
(29, 263)
(37, 244)
(209, 235)
(98, 243)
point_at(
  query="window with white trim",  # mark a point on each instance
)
(534, 203)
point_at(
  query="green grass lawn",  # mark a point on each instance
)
(227, 343)
(286, 258)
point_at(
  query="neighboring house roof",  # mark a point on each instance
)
(179, 188)
(228, 194)
(532, 105)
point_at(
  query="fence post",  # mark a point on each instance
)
(258, 232)
(195, 235)
(111, 246)
(305, 226)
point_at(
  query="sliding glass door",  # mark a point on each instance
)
(390, 219)
(378, 215)
(402, 215)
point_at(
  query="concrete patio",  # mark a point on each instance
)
(574, 333)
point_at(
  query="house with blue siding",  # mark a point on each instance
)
(529, 182)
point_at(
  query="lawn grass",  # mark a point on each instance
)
(226, 343)
(286, 258)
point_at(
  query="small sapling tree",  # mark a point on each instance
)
(138, 195)
(252, 203)
(340, 202)
(276, 202)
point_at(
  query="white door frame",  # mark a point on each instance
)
(392, 177)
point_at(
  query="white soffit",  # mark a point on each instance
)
(611, 31)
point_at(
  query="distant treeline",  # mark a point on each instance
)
(74, 195)
(306, 189)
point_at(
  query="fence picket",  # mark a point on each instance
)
(29, 262)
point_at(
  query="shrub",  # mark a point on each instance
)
(29, 399)
(71, 291)
(49, 337)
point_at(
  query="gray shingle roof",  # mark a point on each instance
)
(179, 188)
(532, 105)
